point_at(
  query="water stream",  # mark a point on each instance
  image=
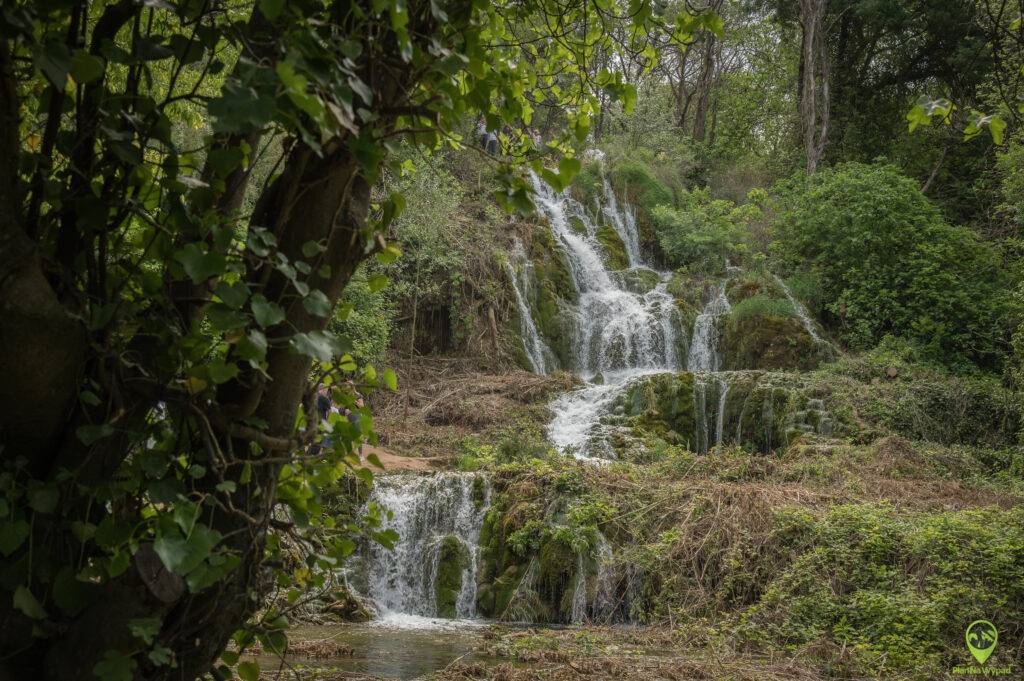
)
(425, 511)
(621, 334)
(537, 351)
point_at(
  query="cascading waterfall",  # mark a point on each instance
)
(621, 335)
(579, 594)
(425, 510)
(801, 311)
(619, 331)
(723, 394)
(604, 593)
(623, 222)
(703, 360)
(704, 344)
(537, 351)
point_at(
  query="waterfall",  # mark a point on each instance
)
(537, 351)
(704, 344)
(620, 334)
(624, 223)
(723, 393)
(426, 511)
(801, 311)
(604, 591)
(579, 593)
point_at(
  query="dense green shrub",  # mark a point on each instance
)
(888, 263)
(898, 588)
(702, 230)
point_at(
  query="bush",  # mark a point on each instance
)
(888, 263)
(702, 230)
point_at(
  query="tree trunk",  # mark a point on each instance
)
(814, 83)
(703, 88)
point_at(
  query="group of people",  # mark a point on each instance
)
(325, 406)
(489, 138)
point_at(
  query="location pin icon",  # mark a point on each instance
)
(981, 639)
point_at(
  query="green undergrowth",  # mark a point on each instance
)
(864, 559)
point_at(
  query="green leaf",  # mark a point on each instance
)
(44, 499)
(390, 379)
(85, 67)
(12, 535)
(115, 666)
(253, 347)
(145, 628)
(376, 282)
(266, 312)
(94, 433)
(27, 603)
(221, 372)
(54, 60)
(71, 594)
(316, 303)
(249, 671)
(315, 344)
(181, 555)
(271, 8)
(200, 265)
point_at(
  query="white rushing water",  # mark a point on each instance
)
(620, 334)
(425, 511)
(801, 311)
(537, 351)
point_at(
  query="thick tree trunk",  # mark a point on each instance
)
(814, 83)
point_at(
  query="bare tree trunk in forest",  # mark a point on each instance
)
(703, 89)
(813, 91)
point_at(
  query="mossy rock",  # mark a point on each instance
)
(479, 491)
(615, 256)
(767, 341)
(577, 225)
(551, 289)
(639, 280)
(556, 578)
(663, 405)
(452, 560)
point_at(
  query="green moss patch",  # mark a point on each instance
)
(452, 561)
(614, 250)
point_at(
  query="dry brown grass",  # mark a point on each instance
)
(441, 401)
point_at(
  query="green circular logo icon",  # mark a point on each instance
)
(981, 639)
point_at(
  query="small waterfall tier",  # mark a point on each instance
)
(538, 353)
(431, 572)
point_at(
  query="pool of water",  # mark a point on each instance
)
(394, 647)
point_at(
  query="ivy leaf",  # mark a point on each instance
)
(181, 555)
(115, 666)
(44, 499)
(315, 344)
(54, 60)
(27, 603)
(85, 67)
(200, 265)
(316, 303)
(145, 628)
(12, 535)
(91, 434)
(271, 8)
(266, 312)
(249, 671)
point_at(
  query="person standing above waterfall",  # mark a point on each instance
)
(481, 131)
(355, 418)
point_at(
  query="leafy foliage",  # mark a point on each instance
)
(886, 262)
